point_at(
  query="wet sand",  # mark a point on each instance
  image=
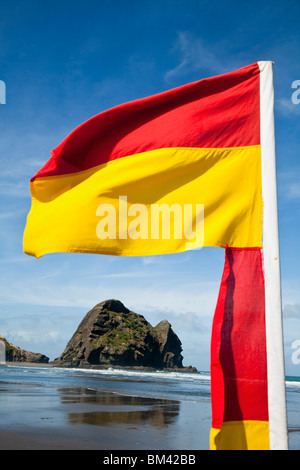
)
(83, 419)
(38, 415)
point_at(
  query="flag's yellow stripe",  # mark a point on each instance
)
(227, 181)
(241, 435)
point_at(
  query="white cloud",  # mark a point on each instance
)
(195, 55)
(30, 336)
(149, 260)
(287, 108)
(292, 311)
(294, 191)
(15, 189)
(11, 214)
(147, 294)
(289, 184)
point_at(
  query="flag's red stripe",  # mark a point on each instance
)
(218, 112)
(238, 348)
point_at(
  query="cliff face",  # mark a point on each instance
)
(16, 354)
(112, 335)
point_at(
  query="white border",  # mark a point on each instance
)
(273, 307)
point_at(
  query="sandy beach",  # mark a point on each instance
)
(46, 408)
(103, 422)
(49, 416)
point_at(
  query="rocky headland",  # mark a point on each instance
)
(16, 354)
(111, 335)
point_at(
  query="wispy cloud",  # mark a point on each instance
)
(292, 311)
(20, 336)
(12, 214)
(160, 290)
(287, 108)
(11, 260)
(15, 189)
(195, 55)
(289, 184)
(295, 190)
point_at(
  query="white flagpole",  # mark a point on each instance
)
(273, 306)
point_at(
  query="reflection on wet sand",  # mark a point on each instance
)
(126, 409)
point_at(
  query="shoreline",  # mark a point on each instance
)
(184, 370)
(27, 364)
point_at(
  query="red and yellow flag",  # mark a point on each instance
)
(189, 167)
(172, 148)
(239, 381)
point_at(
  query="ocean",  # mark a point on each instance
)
(116, 409)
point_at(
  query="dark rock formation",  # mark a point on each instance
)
(112, 335)
(16, 354)
(169, 345)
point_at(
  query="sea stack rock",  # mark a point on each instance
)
(16, 354)
(112, 335)
(170, 347)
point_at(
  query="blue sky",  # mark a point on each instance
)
(63, 62)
